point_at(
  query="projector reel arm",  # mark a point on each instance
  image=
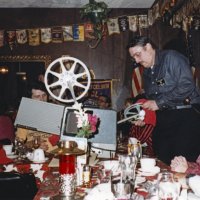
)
(132, 113)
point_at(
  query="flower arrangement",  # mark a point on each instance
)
(87, 123)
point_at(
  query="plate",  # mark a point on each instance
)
(40, 161)
(12, 156)
(153, 172)
(140, 179)
(192, 196)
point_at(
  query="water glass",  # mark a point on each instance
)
(168, 189)
(127, 165)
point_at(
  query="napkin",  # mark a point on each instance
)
(53, 139)
(192, 196)
(3, 157)
(100, 192)
(194, 183)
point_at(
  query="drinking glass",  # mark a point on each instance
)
(124, 186)
(36, 142)
(168, 189)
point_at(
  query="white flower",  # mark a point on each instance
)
(81, 115)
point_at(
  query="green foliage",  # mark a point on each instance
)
(95, 12)
(84, 132)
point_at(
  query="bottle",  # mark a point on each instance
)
(86, 175)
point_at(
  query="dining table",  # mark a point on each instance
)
(47, 176)
(49, 187)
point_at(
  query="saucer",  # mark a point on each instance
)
(153, 171)
(140, 179)
(12, 155)
(39, 161)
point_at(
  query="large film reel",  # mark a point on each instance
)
(133, 112)
(63, 79)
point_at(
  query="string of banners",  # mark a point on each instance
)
(75, 32)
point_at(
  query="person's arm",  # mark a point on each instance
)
(179, 82)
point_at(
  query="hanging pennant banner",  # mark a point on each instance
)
(113, 26)
(21, 36)
(133, 23)
(89, 30)
(46, 35)
(34, 37)
(123, 23)
(57, 34)
(11, 39)
(1, 38)
(67, 33)
(143, 21)
(78, 32)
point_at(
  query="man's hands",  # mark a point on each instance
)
(150, 105)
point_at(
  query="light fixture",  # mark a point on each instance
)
(97, 14)
(4, 69)
(21, 73)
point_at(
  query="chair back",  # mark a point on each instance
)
(14, 185)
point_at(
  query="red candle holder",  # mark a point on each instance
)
(67, 168)
(67, 164)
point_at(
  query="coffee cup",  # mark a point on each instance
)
(38, 155)
(8, 149)
(147, 164)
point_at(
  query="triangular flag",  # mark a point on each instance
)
(133, 23)
(1, 38)
(21, 36)
(34, 37)
(57, 34)
(123, 23)
(113, 26)
(46, 35)
(67, 33)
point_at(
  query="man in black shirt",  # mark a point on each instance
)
(172, 93)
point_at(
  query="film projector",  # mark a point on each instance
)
(63, 78)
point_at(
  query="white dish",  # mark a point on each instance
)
(112, 165)
(192, 196)
(153, 172)
(12, 156)
(40, 161)
(140, 179)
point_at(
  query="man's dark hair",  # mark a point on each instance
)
(36, 85)
(107, 98)
(140, 41)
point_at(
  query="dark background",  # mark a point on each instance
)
(110, 60)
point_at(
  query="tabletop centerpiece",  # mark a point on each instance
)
(86, 122)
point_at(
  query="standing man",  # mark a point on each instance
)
(171, 92)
